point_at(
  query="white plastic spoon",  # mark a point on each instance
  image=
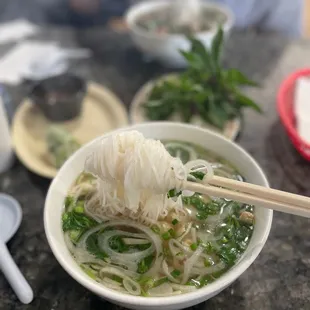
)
(10, 218)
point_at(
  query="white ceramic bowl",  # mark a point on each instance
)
(173, 131)
(165, 47)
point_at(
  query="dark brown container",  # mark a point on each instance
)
(60, 97)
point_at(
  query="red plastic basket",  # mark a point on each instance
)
(285, 101)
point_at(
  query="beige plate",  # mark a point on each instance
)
(137, 115)
(102, 112)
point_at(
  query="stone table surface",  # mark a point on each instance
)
(279, 278)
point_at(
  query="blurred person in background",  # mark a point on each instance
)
(278, 15)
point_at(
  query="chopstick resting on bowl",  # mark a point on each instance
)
(253, 194)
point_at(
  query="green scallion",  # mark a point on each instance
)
(194, 246)
(166, 235)
(175, 222)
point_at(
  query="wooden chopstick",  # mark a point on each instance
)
(261, 191)
(251, 199)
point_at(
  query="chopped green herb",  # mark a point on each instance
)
(175, 273)
(93, 247)
(173, 193)
(79, 208)
(171, 232)
(160, 281)
(117, 244)
(166, 235)
(206, 280)
(224, 240)
(117, 279)
(207, 263)
(204, 209)
(155, 229)
(194, 246)
(198, 175)
(68, 202)
(145, 264)
(76, 221)
(175, 222)
(89, 271)
(75, 235)
(140, 247)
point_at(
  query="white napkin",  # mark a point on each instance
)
(302, 108)
(16, 30)
(36, 60)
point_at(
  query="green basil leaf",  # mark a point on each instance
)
(192, 59)
(216, 48)
(244, 101)
(200, 50)
(234, 76)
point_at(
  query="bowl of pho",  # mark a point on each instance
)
(119, 220)
(160, 28)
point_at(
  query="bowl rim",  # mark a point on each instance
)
(133, 13)
(209, 290)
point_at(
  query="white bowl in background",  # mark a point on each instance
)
(168, 131)
(165, 47)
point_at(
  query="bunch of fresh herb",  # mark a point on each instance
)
(205, 88)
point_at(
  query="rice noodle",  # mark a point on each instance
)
(133, 176)
(132, 286)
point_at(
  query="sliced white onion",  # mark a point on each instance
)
(132, 286)
(175, 247)
(166, 271)
(189, 226)
(103, 242)
(190, 263)
(112, 282)
(161, 290)
(191, 151)
(132, 241)
(200, 165)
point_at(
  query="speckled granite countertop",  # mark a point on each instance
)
(279, 278)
